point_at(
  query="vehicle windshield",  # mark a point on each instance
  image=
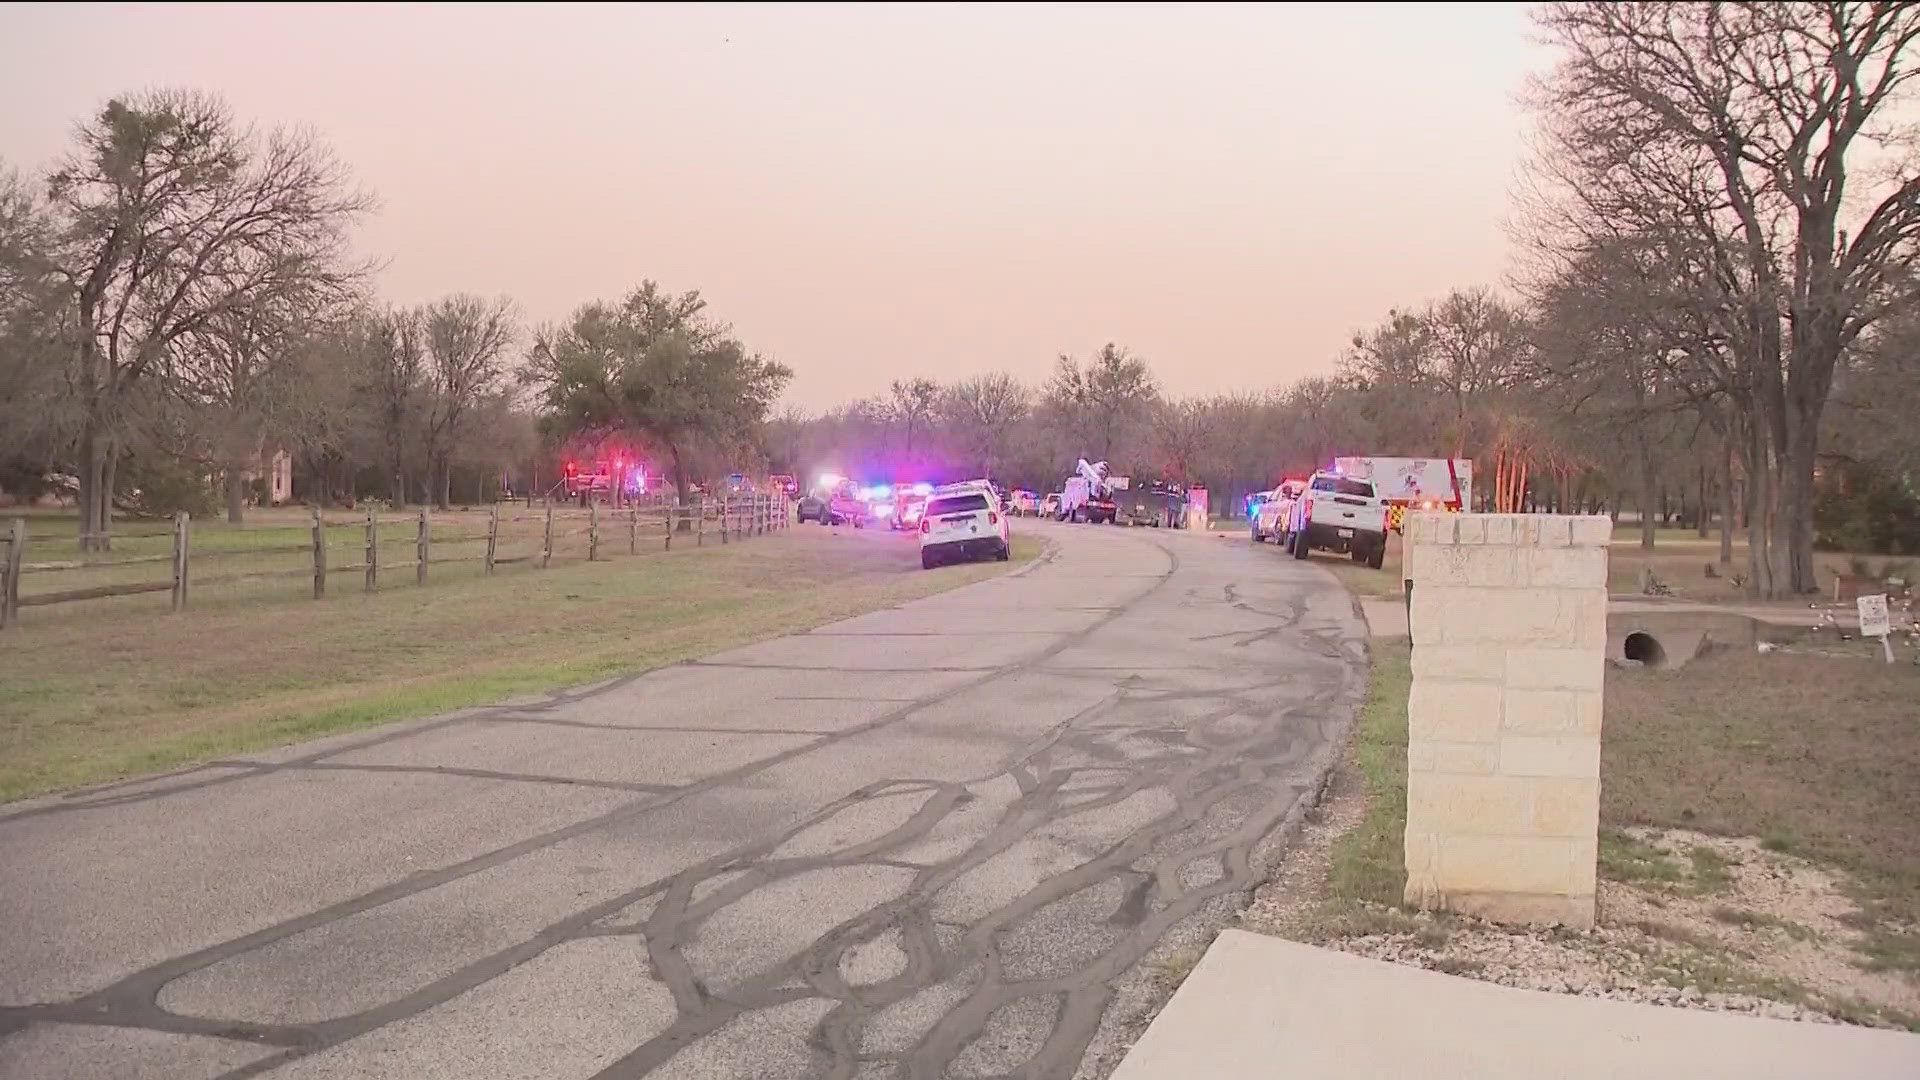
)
(1341, 485)
(956, 504)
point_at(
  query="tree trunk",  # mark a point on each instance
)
(443, 483)
(399, 495)
(89, 486)
(1797, 501)
(1726, 504)
(679, 478)
(236, 493)
(109, 465)
(1768, 537)
(1702, 517)
(1649, 481)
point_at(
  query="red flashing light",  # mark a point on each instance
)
(926, 526)
(993, 518)
(571, 467)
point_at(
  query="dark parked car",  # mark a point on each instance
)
(814, 506)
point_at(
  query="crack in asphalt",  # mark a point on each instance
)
(1221, 775)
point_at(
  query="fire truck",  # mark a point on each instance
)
(1413, 483)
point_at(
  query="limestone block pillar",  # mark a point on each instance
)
(1509, 629)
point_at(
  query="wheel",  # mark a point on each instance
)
(1004, 553)
(1300, 545)
(927, 561)
(1378, 557)
(1257, 536)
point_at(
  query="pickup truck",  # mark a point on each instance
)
(1339, 513)
(1269, 519)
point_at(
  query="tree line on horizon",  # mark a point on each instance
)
(1715, 322)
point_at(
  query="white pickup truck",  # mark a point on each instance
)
(1339, 513)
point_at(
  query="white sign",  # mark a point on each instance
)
(1873, 616)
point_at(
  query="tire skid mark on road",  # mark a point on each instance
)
(132, 1001)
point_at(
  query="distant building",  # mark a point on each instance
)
(277, 470)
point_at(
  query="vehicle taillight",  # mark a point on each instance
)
(993, 518)
(926, 526)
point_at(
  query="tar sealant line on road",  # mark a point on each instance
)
(932, 633)
(454, 770)
(841, 670)
(132, 1000)
(693, 729)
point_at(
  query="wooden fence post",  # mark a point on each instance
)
(726, 516)
(319, 555)
(493, 534)
(421, 544)
(633, 530)
(10, 587)
(546, 546)
(373, 551)
(593, 531)
(700, 523)
(671, 508)
(179, 559)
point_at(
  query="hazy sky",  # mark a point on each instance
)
(870, 192)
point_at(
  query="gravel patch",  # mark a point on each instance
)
(1720, 924)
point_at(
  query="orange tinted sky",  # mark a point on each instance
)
(869, 192)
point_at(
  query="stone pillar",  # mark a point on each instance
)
(1509, 630)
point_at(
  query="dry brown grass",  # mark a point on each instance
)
(1679, 560)
(98, 694)
(1813, 754)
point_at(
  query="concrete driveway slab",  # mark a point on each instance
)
(1258, 1007)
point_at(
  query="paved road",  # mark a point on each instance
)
(935, 840)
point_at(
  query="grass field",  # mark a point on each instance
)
(1679, 560)
(98, 693)
(271, 555)
(1813, 755)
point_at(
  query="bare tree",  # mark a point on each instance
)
(981, 413)
(1109, 397)
(388, 350)
(467, 343)
(913, 404)
(171, 214)
(1739, 138)
(35, 414)
(1184, 433)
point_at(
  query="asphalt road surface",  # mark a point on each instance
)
(943, 839)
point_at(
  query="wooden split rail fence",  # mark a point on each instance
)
(604, 531)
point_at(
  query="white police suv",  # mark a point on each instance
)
(961, 522)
